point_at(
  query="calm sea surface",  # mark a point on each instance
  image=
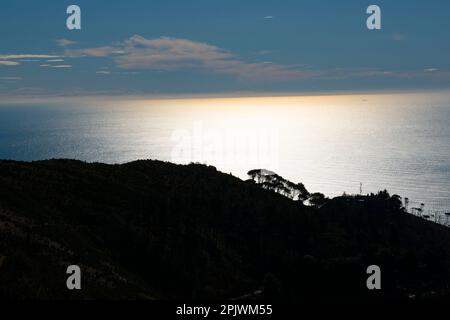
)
(331, 144)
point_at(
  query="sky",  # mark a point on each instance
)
(210, 47)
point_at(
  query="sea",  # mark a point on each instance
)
(334, 144)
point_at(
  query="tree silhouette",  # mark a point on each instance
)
(272, 181)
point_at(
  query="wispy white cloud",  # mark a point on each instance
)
(167, 54)
(56, 66)
(107, 72)
(98, 52)
(9, 63)
(27, 56)
(171, 54)
(174, 54)
(64, 66)
(65, 42)
(16, 59)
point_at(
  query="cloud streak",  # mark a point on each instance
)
(62, 66)
(27, 56)
(65, 42)
(165, 54)
(10, 59)
(172, 54)
(9, 63)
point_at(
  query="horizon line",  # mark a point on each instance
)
(216, 95)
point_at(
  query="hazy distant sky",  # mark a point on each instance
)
(209, 47)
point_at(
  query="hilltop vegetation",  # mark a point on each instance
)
(155, 230)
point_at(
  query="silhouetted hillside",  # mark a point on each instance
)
(156, 230)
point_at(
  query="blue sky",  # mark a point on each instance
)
(222, 47)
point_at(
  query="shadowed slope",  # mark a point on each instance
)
(150, 229)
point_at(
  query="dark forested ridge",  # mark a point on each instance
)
(156, 230)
